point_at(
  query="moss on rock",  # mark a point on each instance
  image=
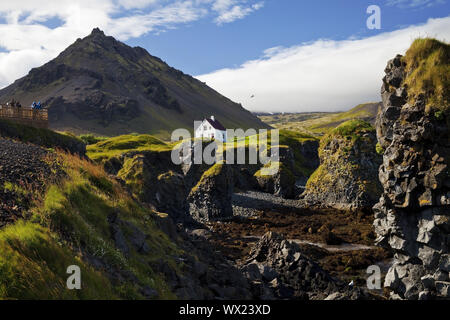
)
(347, 176)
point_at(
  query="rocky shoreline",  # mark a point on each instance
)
(237, 238)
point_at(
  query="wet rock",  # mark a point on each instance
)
(267, 273)
(445, 263)
(443, 289)
(252, 272)
(425, 295)
(428, 281)
(336, 296)
(441, 276)
(281, 265)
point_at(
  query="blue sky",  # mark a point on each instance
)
(269, 55)
(207, 47)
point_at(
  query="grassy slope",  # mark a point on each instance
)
(132, 171)
(43, 137)
(69, 224)
(108, 148)
(428, 72)
(318, 124)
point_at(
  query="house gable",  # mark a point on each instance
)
(211, 129)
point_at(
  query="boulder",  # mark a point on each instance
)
(210, 199)
(347, 177)
(281, 266)
(281, 183)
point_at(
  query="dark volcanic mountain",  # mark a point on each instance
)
(100, 85)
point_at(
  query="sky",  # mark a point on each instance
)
(269, 55)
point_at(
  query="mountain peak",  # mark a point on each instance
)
(103, 86)
(97, 31)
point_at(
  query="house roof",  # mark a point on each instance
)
(216, 124)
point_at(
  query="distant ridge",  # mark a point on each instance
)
(318, 123)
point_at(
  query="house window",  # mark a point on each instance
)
(205, 128)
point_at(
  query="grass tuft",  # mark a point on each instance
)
(428, 72)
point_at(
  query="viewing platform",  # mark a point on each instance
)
(32, 117)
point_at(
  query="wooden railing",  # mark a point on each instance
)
(32, 117)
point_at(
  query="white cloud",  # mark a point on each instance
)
(232, 10)
(325, 75)
(136, 4)
(414, 3)
(136, 25)
(28, 42)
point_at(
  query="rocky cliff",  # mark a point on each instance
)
(413, 214)
(347, 175)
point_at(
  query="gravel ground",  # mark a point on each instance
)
(252, 203)
(22, 170)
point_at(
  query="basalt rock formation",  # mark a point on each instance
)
(281, 184)
(412, 216)
(278, 269)
(298, 158)
(210, 199)
(347, 176)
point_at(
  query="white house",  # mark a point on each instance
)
(211, 129)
